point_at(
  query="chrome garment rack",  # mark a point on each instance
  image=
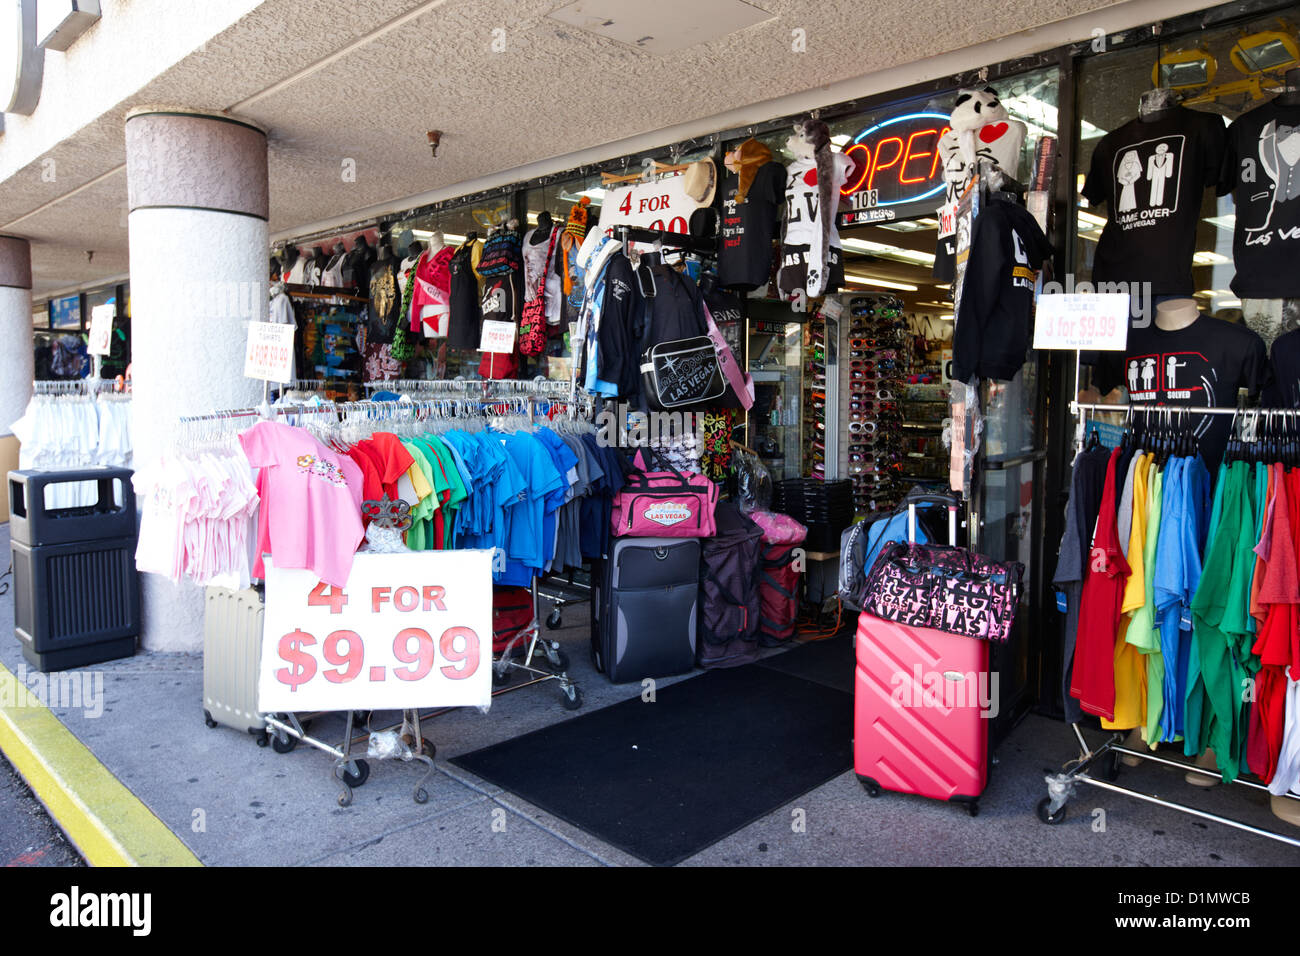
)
(539, 660)
(1100, 767)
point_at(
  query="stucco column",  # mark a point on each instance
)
(197, 200)
(16, 355)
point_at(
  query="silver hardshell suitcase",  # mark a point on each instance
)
(232, 651)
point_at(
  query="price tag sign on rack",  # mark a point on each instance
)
(497, 336)
(408, 631)
(100, 339)
(1082, 321)
(269, 355)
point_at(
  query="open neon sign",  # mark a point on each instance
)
(898, 158)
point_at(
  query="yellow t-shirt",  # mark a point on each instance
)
(1130, 664)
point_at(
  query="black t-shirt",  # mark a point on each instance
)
(749, 227)
(1284, 358)
(995, 316)
(464, 303)
(1201, 365)
(385, 300)
(1151, 175)
(1261, 168)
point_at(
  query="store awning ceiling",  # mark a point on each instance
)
(354, 86)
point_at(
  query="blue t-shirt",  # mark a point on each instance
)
(1168, 580)
(525, 554)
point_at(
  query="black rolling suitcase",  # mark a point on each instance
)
(644, 606)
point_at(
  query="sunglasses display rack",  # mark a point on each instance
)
(819, 442)
(877, 368)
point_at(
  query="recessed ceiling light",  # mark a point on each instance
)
(883, 283)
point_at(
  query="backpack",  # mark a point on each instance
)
(729, 602)
(861, 544)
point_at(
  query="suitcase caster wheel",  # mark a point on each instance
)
(571, 697)
(553, 620)
(421, 796)
(262, 739)
(355, 780)
(872, 788)
(973, 809)
(207, 719)
(1044, 814)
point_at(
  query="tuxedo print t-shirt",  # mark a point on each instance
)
(1202, 365)
(1151, 176)
(1261, 169)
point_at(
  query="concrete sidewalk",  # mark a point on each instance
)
(232, 803)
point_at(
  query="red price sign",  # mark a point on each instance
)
(407, 630)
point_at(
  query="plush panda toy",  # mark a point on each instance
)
(981, 129)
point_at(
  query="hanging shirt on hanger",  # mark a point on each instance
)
(1093, 674)
(310, 514)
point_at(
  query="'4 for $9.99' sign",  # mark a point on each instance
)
(407, 630)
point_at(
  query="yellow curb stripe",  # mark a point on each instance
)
(106, 822)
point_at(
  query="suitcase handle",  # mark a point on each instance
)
(952, 521)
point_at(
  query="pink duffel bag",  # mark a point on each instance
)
(664, 504)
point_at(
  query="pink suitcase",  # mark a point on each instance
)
(922, 702)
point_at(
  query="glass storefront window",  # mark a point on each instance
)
(1210, 71)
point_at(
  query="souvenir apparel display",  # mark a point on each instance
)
(1207, 594)
(811, 252)
(1261, 168)
(1152, 173)
(430, 301)
(1202, 363)
(980, 129)
(465, 296)
(995, 315)
(753, 197)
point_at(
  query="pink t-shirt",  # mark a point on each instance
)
(310, 514)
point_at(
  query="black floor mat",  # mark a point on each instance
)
(828, 662)
(663, 780)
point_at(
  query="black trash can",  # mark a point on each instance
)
(76, 589)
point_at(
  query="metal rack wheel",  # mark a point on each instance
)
(354, 780)
(1045, 812)
(571, 696)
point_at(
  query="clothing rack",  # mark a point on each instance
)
(1106, 758)
(288, 729)
(679, 240)
(75, 386)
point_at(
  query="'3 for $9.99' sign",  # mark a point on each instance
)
(407, 630)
